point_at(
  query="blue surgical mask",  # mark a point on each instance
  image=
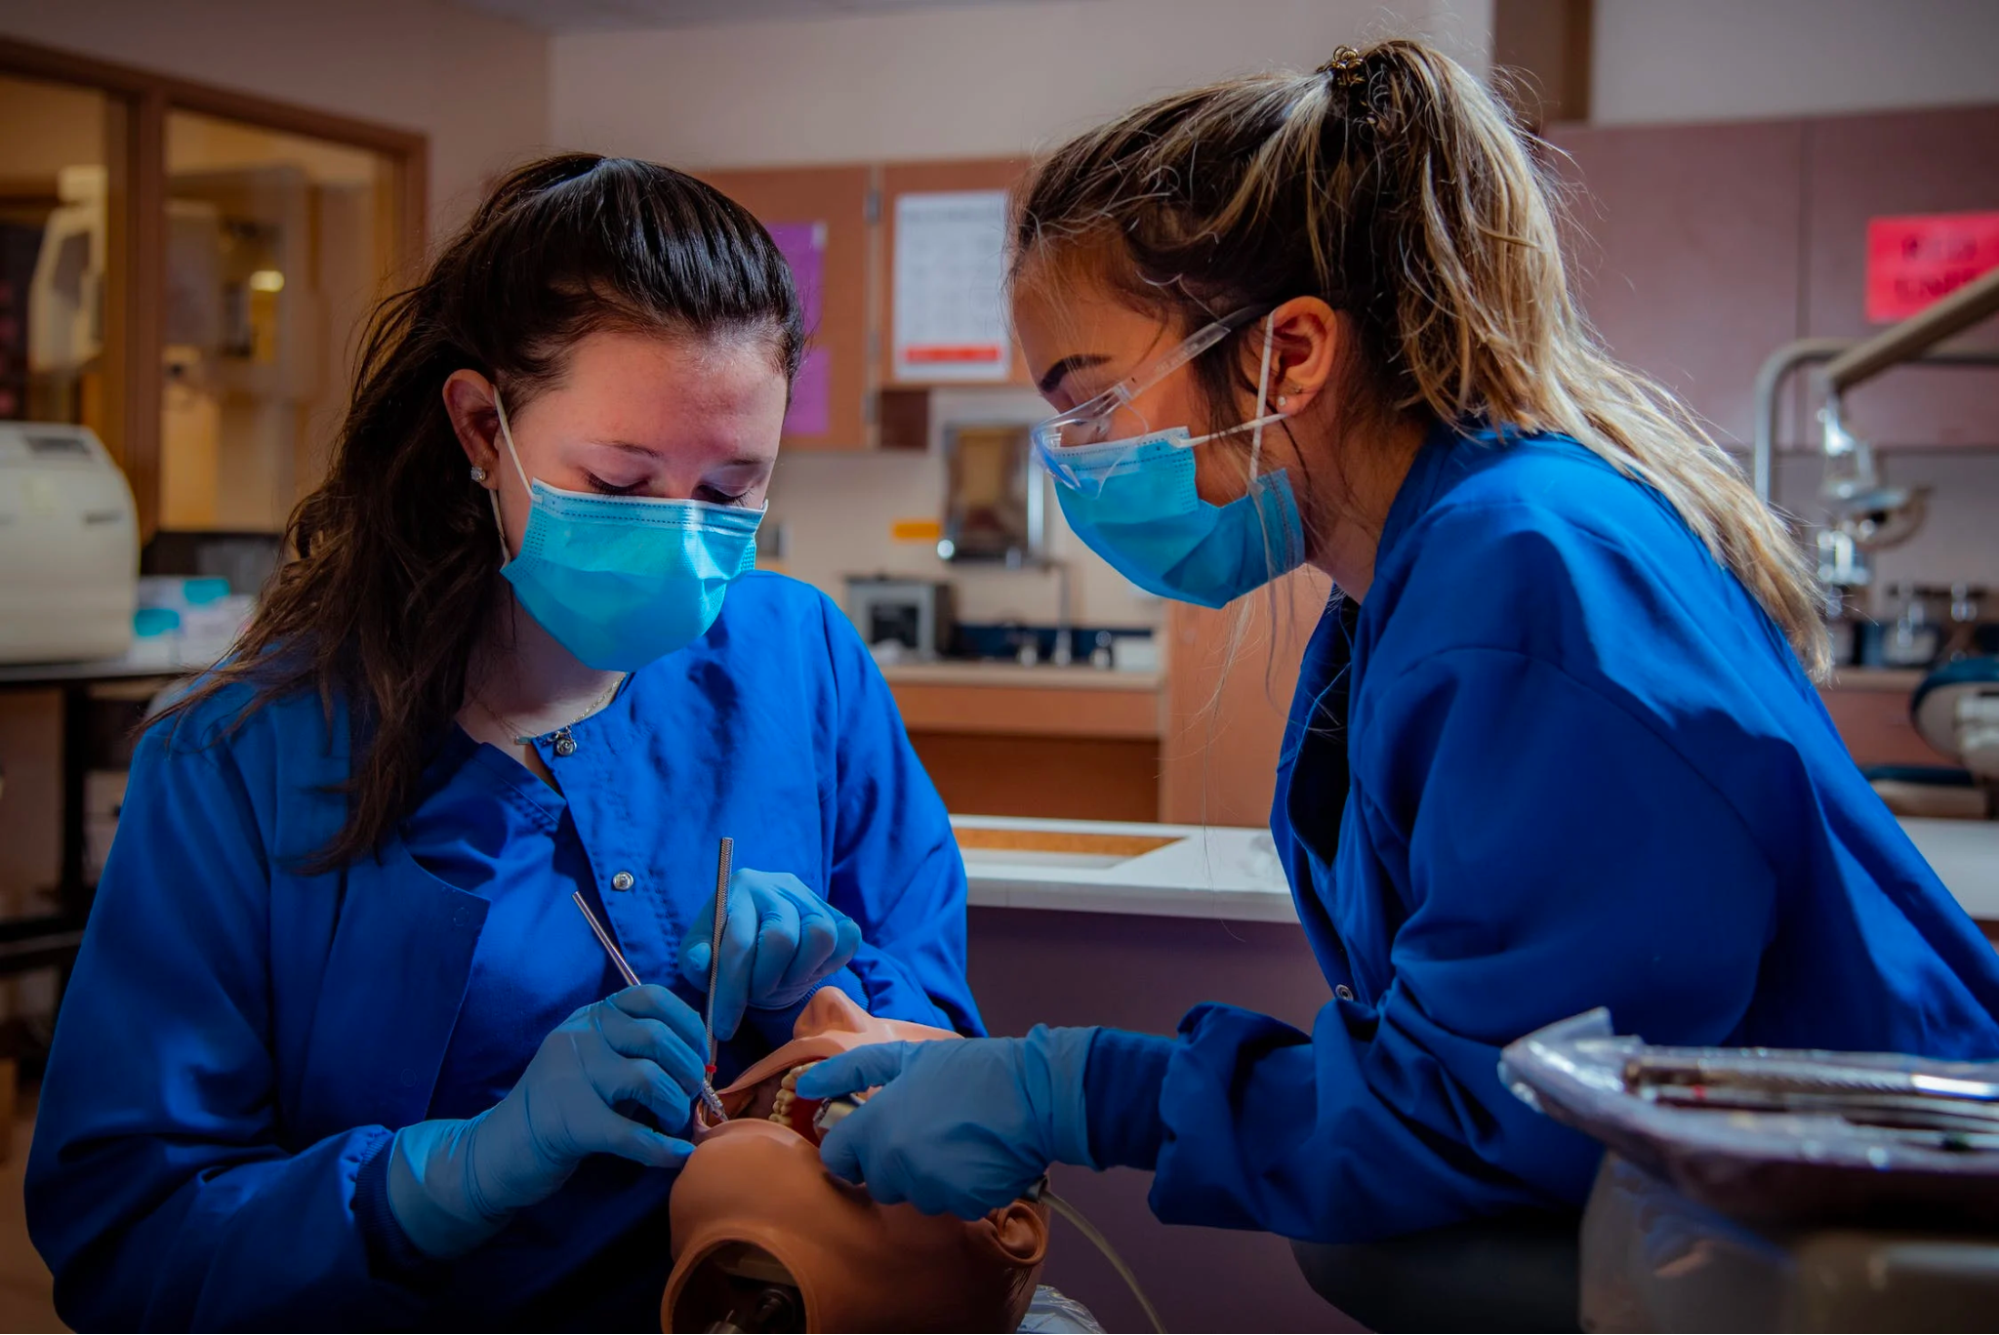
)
(1138, 509)
(622, 580)
(1135, 503)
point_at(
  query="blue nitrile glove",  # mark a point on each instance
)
(957, 1127)
(780, 942)
(452, 1184)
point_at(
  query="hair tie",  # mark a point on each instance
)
(1348, 72)
(1346, 68)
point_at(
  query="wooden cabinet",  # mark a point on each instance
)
(834, 200)
(852, 311)
(1063, 743)
(1870, 707)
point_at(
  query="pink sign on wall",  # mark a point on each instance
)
(1913, 260)
(803, 245)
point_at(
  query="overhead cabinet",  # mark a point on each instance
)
(901, 270)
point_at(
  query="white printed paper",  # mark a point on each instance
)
(950, 270)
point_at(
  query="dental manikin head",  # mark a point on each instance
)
(765, 1239)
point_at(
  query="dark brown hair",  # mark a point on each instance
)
(394, 562)
(1391, 184)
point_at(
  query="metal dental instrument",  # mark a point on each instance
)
(710, 1100)
(604, 940)
(723, 858)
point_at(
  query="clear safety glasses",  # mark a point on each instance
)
(1090, 422)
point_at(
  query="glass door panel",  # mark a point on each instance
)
(61, 254)
(277, 247)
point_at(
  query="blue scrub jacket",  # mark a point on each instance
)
(239, 1038)
(1558, 759)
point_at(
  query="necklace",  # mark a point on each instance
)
(513, 729)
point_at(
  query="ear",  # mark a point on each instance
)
(1020, 1233)
(1304, 350)
(468, 400)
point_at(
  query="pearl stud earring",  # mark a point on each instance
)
(478, 473)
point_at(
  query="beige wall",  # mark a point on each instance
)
(940, 83)
(1691, 60)
(478, 86)
(984, 80)
(1695, 60)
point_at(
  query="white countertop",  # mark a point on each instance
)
(1234, 874)
(1207, 872)
(1965, 856)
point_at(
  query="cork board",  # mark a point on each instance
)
(789, 200)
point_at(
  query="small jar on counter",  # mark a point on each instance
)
(1915, 632)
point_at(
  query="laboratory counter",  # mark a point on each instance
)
(1190, 871)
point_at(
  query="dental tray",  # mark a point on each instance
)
(1776, 1136)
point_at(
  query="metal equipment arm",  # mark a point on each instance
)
(1850, 362)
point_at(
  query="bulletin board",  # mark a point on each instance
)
(938, 179)
(819, 218)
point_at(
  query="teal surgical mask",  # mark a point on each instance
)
(1135, 503)
(622, 580)
(1138, 509)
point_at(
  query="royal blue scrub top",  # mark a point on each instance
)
(240, 1036)
(1560, 758)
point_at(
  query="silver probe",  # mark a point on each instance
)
(725, 856)
(709, 1098)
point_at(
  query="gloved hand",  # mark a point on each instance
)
(452, 1184)
(957, 1127)
(779, 942)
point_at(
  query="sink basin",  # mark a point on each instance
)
(1055, 848)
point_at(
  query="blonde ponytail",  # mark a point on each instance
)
(1394, 185)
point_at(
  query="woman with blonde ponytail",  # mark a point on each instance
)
(1556, 743)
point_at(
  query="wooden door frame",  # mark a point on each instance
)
(136, 219)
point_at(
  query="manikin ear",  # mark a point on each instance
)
(1304, 350)
(468, 401)
(1019, 1233)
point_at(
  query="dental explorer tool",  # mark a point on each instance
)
(604, 939)
(710, 1100)
(723, 858)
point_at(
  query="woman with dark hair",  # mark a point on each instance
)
(339, 1049)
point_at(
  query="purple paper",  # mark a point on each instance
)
(803, 245)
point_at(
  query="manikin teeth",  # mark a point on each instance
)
(787, 1094)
